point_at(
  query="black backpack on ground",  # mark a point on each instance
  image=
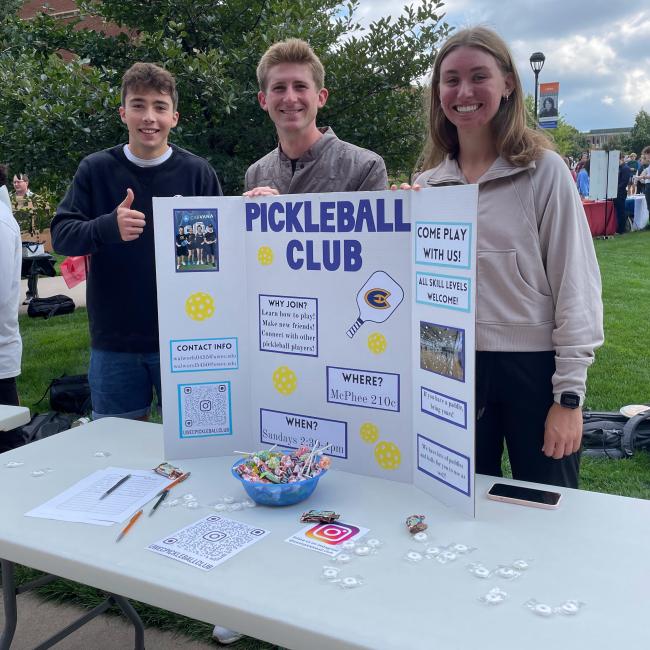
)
(69, 394)
(52, 306)
(612, 435)
(43, 425)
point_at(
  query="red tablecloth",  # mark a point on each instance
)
(597, 217)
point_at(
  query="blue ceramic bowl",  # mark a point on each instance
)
(278, 494)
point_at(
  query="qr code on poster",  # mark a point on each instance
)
(205, 409)
(209, 541)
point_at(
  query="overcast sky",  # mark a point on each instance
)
(599, 50)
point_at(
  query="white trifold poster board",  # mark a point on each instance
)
(603, 174)
(344, 319)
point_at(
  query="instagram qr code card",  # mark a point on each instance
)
(327, 538)
(205, 409)
(208, 542)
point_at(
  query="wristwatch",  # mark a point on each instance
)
(570, 400)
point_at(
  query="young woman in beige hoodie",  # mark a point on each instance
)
(539, 309)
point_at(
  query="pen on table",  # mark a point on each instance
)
(180, 479)
(127, 528)
(161, 498)
(124, 479)
(162, 495)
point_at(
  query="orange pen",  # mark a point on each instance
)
(127, 528)
(180, 479)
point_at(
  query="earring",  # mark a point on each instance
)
(506, 97)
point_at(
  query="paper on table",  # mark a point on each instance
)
(209, 541)
(81, 502)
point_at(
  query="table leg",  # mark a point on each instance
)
(9, 593)
(9, 596)
(32, 285)
(132, 615)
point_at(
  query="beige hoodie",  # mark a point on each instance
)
(538, 281)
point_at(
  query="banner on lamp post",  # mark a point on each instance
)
(548, 104)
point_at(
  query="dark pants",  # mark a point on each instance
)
(513, 395)
(9, 392)
(9, 395)
(620, 215)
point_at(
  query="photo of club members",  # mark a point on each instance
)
(196, 240)
(442, 350)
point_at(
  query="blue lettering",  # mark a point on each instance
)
(327, 216)
(352, 255)
(310, 226)
(382, 226)
(365, 215)
(331, 255)
(291, 214)
(400, 226)
(312, 265)
(252, 212)
(276, 225)
(293, 246)
(344, 216)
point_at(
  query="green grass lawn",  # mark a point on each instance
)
(620, 375)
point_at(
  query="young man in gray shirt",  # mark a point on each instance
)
(308, 158)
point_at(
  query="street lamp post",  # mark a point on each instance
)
(537, 63)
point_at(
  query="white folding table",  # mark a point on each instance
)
(13, 416)
(593, 549)
(640, 216)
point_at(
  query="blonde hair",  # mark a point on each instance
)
(293, 50)
(515, 141)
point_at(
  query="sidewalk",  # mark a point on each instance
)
(51, 287)
(38, 620)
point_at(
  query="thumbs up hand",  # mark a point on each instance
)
(130, 222)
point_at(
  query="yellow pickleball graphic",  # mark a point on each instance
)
(265, 255)
(388, 455)
(199, 306)
(369, 432)
(285, 380)
(377, 343)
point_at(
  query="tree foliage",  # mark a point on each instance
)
(640, 135)
(567, 139)
(56, 111)
(9, 7)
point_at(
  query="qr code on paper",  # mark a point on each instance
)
(208, 542)
(205, 409)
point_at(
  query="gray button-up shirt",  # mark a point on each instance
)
(330, 165)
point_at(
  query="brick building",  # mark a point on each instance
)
(68, 10)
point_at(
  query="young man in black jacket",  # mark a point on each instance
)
(107, 213)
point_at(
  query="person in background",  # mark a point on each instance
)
(644, 177)
(22, 194)
(625, 173)
(568, 164)
(4, 192)
(582, 162)
(632, 163)
(11, 346)
(539, 310)
(582, 181)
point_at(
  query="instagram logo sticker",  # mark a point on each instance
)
(332, 533)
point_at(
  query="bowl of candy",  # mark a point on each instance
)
(282, 477)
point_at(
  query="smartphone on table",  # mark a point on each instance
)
(524, 496)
